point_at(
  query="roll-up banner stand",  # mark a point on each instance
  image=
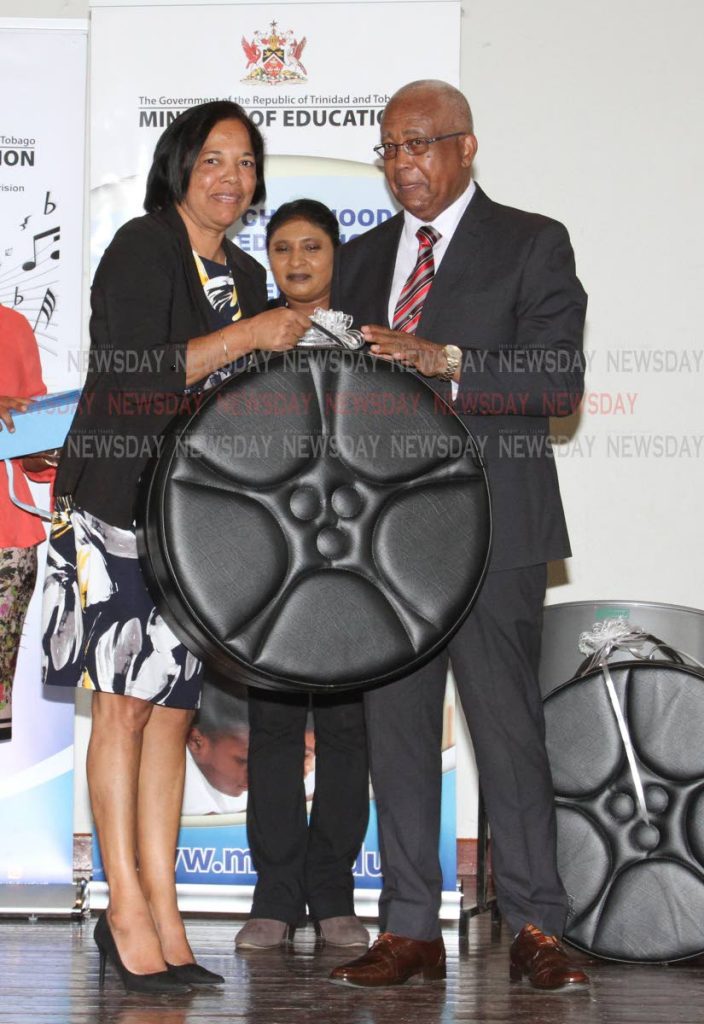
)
(42, 140)
(315, 78)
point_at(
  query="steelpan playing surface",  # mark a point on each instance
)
(322, 524)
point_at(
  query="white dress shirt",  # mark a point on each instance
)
(407, 254)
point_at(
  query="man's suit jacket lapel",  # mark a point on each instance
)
(385, 260)
(458, 263)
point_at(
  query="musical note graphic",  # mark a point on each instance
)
(54, 234)
(33, 287)
(47, 308)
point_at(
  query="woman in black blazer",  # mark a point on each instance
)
(175, 307)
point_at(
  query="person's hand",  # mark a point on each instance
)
(9, 405)
(424, 356)
(278, 329)
(37, 462)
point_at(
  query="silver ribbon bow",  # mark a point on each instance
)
(331, 329)
(598, 644)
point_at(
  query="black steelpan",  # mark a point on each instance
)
(635, 889)
(319, 524)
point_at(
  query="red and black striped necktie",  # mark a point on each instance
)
(410, 301)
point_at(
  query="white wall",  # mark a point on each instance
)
(592, 112)
(43, 9)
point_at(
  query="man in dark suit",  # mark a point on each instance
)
(483, 301)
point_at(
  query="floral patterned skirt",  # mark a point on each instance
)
(100, 628)
(18, 574)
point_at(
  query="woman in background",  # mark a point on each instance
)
(299, 864)
(20, 531)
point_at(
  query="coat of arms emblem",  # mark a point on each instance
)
(274, 57)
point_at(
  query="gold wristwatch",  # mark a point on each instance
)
(453, 355)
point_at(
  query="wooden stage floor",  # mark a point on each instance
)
(49, 975)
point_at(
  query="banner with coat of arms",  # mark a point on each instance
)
(315, 79)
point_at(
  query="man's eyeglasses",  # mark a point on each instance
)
(414, 147)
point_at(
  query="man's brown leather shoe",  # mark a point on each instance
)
(392, 960)
(543, 961)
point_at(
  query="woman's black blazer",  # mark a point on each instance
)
(146, 303)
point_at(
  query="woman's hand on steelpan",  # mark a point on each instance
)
(427, 357)
(277, 330)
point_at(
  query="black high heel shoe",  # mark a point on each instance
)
(157, 983)
(195, 975)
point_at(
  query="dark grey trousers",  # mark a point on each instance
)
(495, 657)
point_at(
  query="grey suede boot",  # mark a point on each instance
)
(263, 933)
(342, 931)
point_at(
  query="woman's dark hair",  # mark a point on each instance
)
(305, 209)
(177, 149)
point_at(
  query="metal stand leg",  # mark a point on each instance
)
(483, 901)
